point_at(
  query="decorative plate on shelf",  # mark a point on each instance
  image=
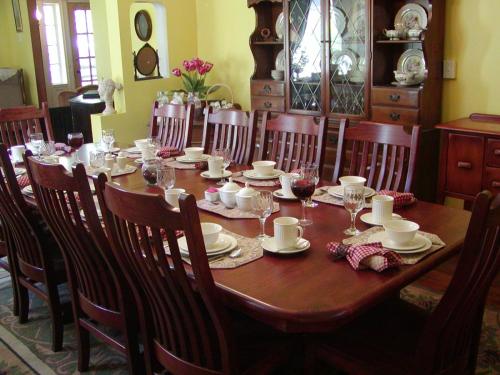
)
(280, 60)
(280, 26)
(146, 60)
(413, 61)
(411, 16)
(345, 60)
(337, 22)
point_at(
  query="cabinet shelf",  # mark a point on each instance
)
(404, 41)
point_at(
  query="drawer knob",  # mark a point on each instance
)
(464, 165)
(267, 89)
(496, 152)
(495, 184)
(395, 97)
(395, 116)
(268, 104)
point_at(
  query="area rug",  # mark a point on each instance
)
(25, 349)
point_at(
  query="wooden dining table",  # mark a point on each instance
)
(310, 291)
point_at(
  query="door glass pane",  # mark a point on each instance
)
(80, 21)
(88, 15)
(348, 22)
(305, 54)
(83, 45)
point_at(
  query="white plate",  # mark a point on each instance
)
(346, 61)
(280, 60)
(133, 150)
(19, 171)
(280, 26)
(138, 161)
(184, 159)
(413, 61)
(269, 244)
(207, 175)
(338, 191)
(104, 149)
(128, 169)
(280, 195)
(224, 244)
(412, 16)
(418, 245)
(337, 23)
(368, 218)
(28, 190)
(251, 174)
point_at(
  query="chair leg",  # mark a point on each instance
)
(83, 342)
(56, 317)
(15, 295)
(23, 303)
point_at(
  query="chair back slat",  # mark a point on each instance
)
(172, 124)
(291, 140)
(186, 329)
(451, 337)
(393, 169)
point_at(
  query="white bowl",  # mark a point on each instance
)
(172, 196)
(352, 180)
(264, 167)
(401, 231)
(193, 153)
(141, 143)
(210, 233)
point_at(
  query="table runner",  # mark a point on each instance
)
(230, 213)
(437, 244)
(322, 195)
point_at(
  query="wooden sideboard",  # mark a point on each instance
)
(470, 157)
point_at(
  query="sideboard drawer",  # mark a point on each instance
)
(492, 180)
(395, 115)
(395, 97)
(465, 164)
(263, 103)
(267, 88)
(493, 152)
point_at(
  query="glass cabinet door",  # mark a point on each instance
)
(348, 64)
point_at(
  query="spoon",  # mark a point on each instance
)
(235, 253)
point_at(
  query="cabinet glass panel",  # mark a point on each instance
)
(306, 52)
(348, 23)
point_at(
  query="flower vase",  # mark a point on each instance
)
(193, 97)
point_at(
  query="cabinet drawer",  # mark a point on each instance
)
(395, 97)
(263, 103)
(492, 180)
(395, 115)
(493, 152)
(267, 88)
(465, 164)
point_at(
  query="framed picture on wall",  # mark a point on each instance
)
(17, 15)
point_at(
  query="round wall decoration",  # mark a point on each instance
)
(143, 25)
(146, 60)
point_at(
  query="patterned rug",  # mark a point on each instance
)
(25, 349)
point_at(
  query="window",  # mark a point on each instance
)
(55, 43)
(85, 46)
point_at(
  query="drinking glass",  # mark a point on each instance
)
(108, 137)
(156, 142)
(165, 176)
(96, 159)
(354, 201)
(262, 206)
(75, 140)
(36, 140)
(48, 148)
(225, 154)
(303, 186)
(315, 170)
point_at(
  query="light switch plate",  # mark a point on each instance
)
(449, 69)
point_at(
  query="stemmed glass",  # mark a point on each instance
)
(75, 140)
(36, 141)
(354, 201)
(108, 137)
(165, 176)
(303, 186)
(262, 206)
(225, 154)
(309, 201)
(155, 142)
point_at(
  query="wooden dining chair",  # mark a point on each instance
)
(385, 154)
(187, 327)
(97, 285)
(172, 124)
(233, 129)
(37, 263)
(401, 338)
(6, 261)
(292, 140)
(17, 123)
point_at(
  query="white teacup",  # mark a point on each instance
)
(109, 161)
(17, 153)
(264, 167)
(287, 232)
(286, 184)
(122, 162)
(215, 165)
(210, 233)
(400, 232)
(352, 180)
(141, 143)
(172, 196)
(193, 153)
(382, 207)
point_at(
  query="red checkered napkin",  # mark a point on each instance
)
(400, 199)
(167, 151)
(370, 255)
(23, 181)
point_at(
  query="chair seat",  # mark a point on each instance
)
(383, 341)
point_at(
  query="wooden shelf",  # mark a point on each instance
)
(268, 42)
(405, 41)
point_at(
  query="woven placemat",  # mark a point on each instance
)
(230, 213)
(364, 237)
(250, 251)
(321, 195)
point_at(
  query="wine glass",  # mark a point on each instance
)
(156, 143)
(354, 201)
(165, 176)
(225, 154)
(315, 171)
(96, 159)
(303, 186)
(262, 206)
(108, 137)
(75, 140)
(36, 141)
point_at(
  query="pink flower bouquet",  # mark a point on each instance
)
(194, 76)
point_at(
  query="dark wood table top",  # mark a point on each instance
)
(467, 125)
(310, 291)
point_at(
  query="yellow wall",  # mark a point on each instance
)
(15, 48)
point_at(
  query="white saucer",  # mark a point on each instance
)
(133, 150)
(19, 171)
(224, 244)
(417, 245)
(269, 244)
(28, 190)
(184, 159)
(113, 149)
(138, 161)
(338, 191)
(251, 174)
(368, 218)
(206, 174)
(280, 195)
